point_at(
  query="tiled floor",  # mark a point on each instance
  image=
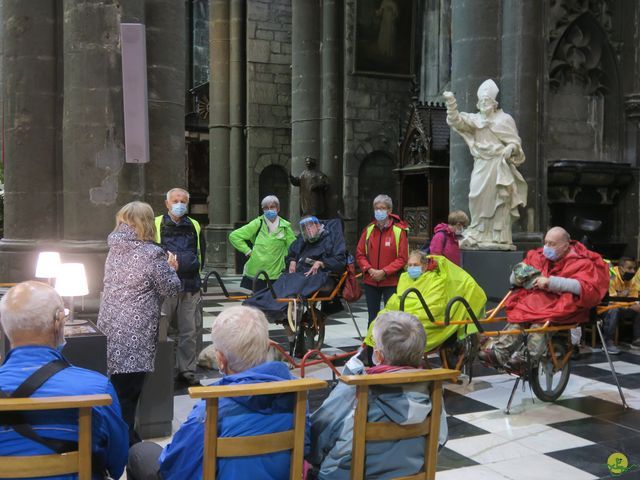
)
(571, 438)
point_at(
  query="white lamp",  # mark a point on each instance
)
(48, 265)
(72, 282)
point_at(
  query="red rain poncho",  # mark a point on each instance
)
(541, 305)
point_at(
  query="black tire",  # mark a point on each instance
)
(547, 382)
(454, 348)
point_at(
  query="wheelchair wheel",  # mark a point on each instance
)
(547, 382)
(314, 336)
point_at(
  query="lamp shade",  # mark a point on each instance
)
(48, 265)
(72, 280)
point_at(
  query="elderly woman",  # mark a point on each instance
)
(138, 275)
(400, 341)
(265, 241)
(381, 255)
(240, 337)
(438, 280)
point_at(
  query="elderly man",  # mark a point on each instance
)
(400, 340)
(240, 337)
(32, 316)
(182, 236)
(563, 281)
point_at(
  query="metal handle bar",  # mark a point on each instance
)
(452, 302)
(266, 279)
(205, 282)
(419, 295)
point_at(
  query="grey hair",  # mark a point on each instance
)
(382, 198)
(241, 334)
(178, 189)
(400, 337)
(268, 200)
(29, 306)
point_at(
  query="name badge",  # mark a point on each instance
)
(387, 243)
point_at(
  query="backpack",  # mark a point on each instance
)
(426, 249)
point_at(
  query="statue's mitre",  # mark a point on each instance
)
(488, 89)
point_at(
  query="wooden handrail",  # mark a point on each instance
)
(267, 388)
(436, 374)
(54, 403)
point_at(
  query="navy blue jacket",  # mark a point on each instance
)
(110, 434)
(180, 238)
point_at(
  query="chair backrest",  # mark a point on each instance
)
(55, 464)
(218, 447)
(364, 430)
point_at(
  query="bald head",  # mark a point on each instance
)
(32, 313)
(557, 238)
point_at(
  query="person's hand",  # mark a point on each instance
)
(508, 151)
(292, 267)
(448, 96)
(317, 265)
(377, 275)
(541, 282)
(635, 307)
(172, 259)
(623, 293)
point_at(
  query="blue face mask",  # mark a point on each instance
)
(381, 215)
(550, 253)
(178, 209)
(414, 271)
(270, 214)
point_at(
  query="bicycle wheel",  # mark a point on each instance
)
(547, 382)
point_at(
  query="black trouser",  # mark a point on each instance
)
(374, 295)
(128, 387)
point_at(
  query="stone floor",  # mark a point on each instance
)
(570, 439)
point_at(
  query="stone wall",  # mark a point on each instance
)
(268, 91)
(375, 110)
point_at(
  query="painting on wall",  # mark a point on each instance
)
(384, 37)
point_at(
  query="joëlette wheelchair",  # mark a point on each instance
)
(305, 317)
(547, 376)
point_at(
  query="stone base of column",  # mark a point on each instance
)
(18, 260)
(220, 253)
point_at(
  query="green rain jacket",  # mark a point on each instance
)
(438, 286)
(269, 249)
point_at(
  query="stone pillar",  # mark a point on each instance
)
(237, 159)
(330, 162)
(305, 91)
(475, 47)
(520, 93)
(30, 114)
(166, 79)
(219, 253)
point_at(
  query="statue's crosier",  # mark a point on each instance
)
(496, 189)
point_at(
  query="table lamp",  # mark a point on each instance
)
(72, 282)
(48, 265)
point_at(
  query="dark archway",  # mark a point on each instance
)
(274, 180)
(375, 177)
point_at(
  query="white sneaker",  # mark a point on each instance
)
(612, 349)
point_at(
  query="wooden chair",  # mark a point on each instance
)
(364, 431)
(219, 447)
(55, 464)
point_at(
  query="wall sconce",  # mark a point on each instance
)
(48, 265)
(72, 282)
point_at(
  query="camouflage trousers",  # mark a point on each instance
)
(505, 346)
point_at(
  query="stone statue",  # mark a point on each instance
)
(496, 189)
(313, 187)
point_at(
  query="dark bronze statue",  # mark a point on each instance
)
(313, 187)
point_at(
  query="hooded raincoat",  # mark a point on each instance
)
(441, 282)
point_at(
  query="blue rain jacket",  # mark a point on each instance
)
(110, 433)
(237, 417)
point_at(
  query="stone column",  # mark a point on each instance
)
(166, 79)
(520, 93)
(475, 47)
(219, 254)
(305, 90)
(237, 159)
(330, 162)
(30, 114)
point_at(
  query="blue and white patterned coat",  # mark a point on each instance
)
(137, 277)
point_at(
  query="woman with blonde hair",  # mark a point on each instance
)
(138, 275)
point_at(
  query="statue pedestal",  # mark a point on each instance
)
(491, 269)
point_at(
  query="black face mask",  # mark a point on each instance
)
(626, 276)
